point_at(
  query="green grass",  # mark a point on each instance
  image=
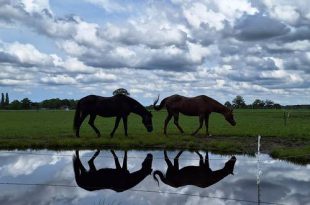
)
(300, 155)
(53, 129)
(51, 124)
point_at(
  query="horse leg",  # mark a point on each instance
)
(207, 123)
(125, 124)
(91, 123)
(168, 118)
(81, 167)
(116, 125)
(91, 161)
(200, 159)
(207, 160)
(200, 124)
(117, 165)
(176, 122)
(169, 164)
(125, 161)
(176, 160)
(82, 118)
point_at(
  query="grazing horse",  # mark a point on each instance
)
(119, 106)
(201, 106)
(118, 179)
(201, 176)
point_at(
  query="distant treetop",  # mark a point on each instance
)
(122, 91)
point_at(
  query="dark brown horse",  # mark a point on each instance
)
(201, 176)
(201, 106)
(119, 106)
(118, 179)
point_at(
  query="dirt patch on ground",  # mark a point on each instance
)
(268, 144)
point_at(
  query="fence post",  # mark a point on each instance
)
(284, 118)
(259, 172)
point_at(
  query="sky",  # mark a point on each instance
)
(70, 49)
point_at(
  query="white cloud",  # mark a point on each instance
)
(33, 6)
(110, 5)
(28, 54)
(173, 46)
(58, 80)
(72, 48)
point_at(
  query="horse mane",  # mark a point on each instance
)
(217, 103)
(133, 101)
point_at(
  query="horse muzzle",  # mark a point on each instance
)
(149, 129)
(233, 123)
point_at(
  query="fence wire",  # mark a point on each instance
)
(145, 191)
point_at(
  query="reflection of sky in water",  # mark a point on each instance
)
(281, 182)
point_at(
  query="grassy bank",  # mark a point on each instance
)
(53, 129)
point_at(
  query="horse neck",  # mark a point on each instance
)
(219, 108)
(222, 173)
(138, 109)
(136, 177)
(218, 175)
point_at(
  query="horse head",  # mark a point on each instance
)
(230, 165)
(230, 117)
(147, 121)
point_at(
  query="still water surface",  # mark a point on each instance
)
(68, 177)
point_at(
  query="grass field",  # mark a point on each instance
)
(53, 129)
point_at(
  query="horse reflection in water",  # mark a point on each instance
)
(119, 179)
(201, 176)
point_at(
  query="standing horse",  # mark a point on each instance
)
(201, 176)
(201, 106)
(118, 179)
(119, 106)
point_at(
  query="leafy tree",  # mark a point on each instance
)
(122, 91)
(277, 106)
(6, 101)
(25, 104)
(228, 104)
(15, 105)
(269, 103)
(238, 102)
(258, 103)
(2, 101)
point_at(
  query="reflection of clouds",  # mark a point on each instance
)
(26, 165)
(281, 182)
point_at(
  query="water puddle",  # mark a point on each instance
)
(148, 177)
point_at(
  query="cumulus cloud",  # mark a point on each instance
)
(259, 27)
(187, 47)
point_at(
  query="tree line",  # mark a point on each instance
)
(239, 102)
(27, 104)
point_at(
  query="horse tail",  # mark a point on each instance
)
(76, 116)
(161, 176)
(161, 105)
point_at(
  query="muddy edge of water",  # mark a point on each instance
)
(268, 144)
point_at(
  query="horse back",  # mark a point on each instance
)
(191, 106)
(107, 178)
(105, 106)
